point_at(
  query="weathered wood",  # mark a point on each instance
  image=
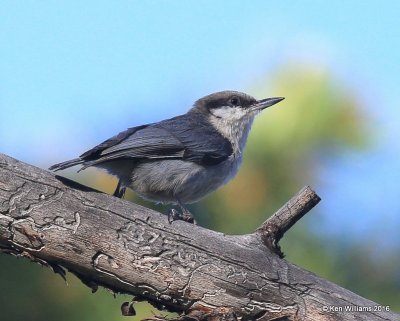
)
(273, 229)
(132, 249)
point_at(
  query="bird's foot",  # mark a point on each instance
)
(184, 215)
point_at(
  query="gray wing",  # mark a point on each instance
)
(181, 137)
(149, 142)
(184, 137)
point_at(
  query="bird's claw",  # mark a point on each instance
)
(185, 215)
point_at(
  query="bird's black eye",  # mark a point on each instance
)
(235, 101)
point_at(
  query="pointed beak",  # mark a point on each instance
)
(264, 103)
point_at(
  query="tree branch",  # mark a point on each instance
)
(273, 229)
(203, 274)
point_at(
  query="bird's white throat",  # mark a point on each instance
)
(236, 131)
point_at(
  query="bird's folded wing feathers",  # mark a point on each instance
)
(95, 151)
(173, 138)
(149, 142)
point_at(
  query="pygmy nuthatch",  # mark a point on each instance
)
(182, 159)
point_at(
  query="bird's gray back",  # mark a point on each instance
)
(184, 137)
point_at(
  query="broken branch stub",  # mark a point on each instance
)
(273, 229)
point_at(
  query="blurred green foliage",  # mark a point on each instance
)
(319, 119)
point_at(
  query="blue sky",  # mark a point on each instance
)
(73, 73)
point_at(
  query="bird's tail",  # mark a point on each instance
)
(67, 164)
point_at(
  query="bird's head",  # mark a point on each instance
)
(232, 106)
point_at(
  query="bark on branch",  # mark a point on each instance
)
(204, 274)
(273, 229)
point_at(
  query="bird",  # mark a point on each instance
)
(182, 159)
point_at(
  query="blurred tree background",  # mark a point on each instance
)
(74, 73)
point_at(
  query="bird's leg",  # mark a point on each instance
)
(183, 215)
(119, 191)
